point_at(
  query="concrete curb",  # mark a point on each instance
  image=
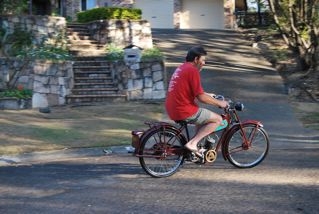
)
(56, 155)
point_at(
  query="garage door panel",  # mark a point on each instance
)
(201, 14)
(160, 13)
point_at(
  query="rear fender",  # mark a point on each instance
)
(139, 135)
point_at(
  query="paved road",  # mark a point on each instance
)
(286, 182)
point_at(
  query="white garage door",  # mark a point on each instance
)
(202, 14)
(160, 13)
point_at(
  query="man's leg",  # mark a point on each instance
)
(212, 123)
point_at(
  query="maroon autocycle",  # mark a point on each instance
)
(161, 150)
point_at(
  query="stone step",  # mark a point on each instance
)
(95, 89)
(88, 58)
(76, 25)
(91, 72)
(94, 86)
(91, 67)
(81, 53)
(74, 99)
(90, 93)
(90, 53)
(77, 29)
(94, 78)
(81, 29)
(91, 63)
(75, 33)
(87, 47)
(77, 42)
(78, 37)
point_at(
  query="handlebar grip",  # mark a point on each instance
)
(219, 97)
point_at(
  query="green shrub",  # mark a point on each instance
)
(114, 53)
(54, 48)
(152, 53)
(45, 52)
(19, 40)
(109, 13)
(17, 93)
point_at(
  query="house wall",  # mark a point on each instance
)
(74, 6)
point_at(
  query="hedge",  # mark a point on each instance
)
(109, 13)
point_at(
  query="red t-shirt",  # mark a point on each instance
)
(184, 87)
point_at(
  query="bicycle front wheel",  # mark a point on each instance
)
(250, 153)
(161, 152)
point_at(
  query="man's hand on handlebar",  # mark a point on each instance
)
(221, 100)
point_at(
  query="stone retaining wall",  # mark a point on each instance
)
(143, 80)
(122, 32)
(50, 81)
(43, 28)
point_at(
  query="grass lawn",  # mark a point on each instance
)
(101, 125)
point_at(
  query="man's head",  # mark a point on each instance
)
(197, 55)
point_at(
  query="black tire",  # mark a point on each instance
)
(242, 157)
(155, 157)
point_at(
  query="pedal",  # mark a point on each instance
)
(196, 159)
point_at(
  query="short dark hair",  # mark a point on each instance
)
(194, 52)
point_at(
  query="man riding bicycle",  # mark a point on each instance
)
(184, 90)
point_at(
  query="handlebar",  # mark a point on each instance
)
(238, 106)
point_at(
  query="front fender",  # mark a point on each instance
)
(255, 122)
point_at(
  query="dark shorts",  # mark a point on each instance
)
(200, 117)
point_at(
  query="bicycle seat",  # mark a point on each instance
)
(181, 122)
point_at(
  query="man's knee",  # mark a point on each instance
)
(215, 118)
(219, 119)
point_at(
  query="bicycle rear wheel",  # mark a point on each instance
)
(250, 154)
(161, 152)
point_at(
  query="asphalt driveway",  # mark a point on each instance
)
(238, 71)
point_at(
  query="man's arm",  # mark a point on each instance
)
(208, 98)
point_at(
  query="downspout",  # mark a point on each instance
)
(30, 7)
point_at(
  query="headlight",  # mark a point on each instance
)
(239, 106)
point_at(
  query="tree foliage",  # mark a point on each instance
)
(16, 7)
(298, 22)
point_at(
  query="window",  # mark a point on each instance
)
(88, 4)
